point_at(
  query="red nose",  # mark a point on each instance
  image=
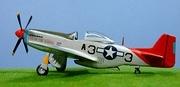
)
(20, 33)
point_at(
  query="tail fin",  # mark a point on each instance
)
(162, 54)
(165, 47)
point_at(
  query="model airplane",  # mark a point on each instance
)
(95, 50)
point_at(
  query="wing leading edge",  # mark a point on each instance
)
(78, 53)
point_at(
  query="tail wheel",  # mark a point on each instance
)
(137, 71)
(41, 71)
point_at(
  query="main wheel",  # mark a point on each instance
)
(41, 71)
(63, 65)
(58, 61)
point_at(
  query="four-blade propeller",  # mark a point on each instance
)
(20, 34)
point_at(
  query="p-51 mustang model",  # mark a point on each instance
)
(96, 50)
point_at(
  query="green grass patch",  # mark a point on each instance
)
(88, 77)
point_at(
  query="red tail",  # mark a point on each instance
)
(162, 54)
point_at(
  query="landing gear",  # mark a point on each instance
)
(41, 70)
(63, 65)
(55, 61)
(58, 61)
(118, 68)
(137, 70)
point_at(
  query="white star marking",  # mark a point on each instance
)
(110, 52)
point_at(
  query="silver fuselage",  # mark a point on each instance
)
(58, 43)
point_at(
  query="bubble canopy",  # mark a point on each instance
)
(97, 37)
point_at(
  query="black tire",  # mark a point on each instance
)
(63, 66)
(42, 72)
(137, 71)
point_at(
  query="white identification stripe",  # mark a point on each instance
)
(100, 50)
(121, 54)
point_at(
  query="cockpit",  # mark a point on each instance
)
(97, 37)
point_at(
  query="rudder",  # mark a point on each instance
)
(165, 47)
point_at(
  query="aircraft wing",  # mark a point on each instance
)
(78, 53)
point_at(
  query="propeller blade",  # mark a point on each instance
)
(19, 20)
(122, 41)
(20, 33)
(25, 45)
(17, 44)
(28, 22)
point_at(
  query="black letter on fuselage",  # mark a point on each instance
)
(83, 47)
